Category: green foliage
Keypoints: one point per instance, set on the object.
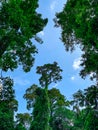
(83, 14)
(86, 120)
(62, 119)
(49, 73)
(79, 119)
(41, 111)
(30, 96)
(91, 96)
(7, 92)
(8, 104)
(78, 21)
(20, 127)
(24, 119)
(6, 116)
(19, 22)
(91, 121)
(38, 98)
(56, 100)
(87, 100)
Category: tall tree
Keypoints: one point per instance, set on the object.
(19, 23)
(38, 97)
(56, 100)
(41, 111)
(8, 104)
(49, 73)
(78, 21)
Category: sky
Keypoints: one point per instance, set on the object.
(51, 50)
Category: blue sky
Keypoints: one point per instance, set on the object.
(51, 50)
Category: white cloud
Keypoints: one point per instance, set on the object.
(73, 78)
(76, 63)
(53, 5)
(21, 81)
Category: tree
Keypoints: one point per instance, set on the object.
(49, 73)
(38, 97)
(78, 121)
(91, 121)
(23, 119)
(91, 96)
(78, 22)
(78, 100)
(8, 104)
(19, 23)
(56, 100)
(31, 96)
(86, 100)
(7, 92)
(35, 97)
(40, 111)
(59, 114)
(63, 118)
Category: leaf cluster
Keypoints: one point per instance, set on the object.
(78, 22)
(49, 73)
(19, 22)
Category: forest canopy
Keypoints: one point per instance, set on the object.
(19, 23)
(50, 110)
(78, 22)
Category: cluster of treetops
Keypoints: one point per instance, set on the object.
(19, 23)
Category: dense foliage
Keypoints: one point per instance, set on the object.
(57, 100)
(41, 111)
(23, 120)
(8, 104)
(19, 23)
(38, 97)
(86, 100)
(49, 73)
(78, 21)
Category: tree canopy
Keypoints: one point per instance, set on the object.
(85, 104)
(49, 73)
(19, 23)
(8, 104)
(23, 119)
(78, 22)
